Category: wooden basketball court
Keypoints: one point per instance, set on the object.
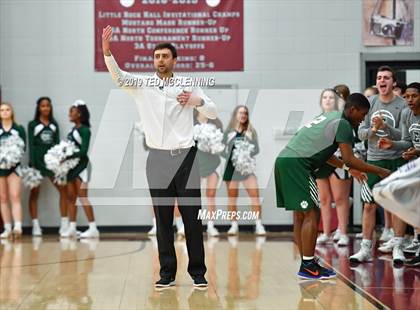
(245, 272)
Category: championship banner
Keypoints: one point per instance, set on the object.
(208, 34)
(400, 193)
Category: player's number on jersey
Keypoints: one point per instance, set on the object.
(316, 121)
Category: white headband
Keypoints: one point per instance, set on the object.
(78, 102)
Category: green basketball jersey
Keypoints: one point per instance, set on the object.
(318, 140)
(41, 139)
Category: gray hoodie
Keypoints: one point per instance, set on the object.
(391, 113)
(410, 131)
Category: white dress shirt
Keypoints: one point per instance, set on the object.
(167, 124)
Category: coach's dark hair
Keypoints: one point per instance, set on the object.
(415, 85)
(169, 46)
(84, 114)
(357, 100)
(389, 69)
(38, 113)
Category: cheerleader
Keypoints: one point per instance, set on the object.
(208, 164)
(240, 128)
(10, 183)
(78, 177)
(334, 184)
(43, 133)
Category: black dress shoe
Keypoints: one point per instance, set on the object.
(200, 281)
(162, 283)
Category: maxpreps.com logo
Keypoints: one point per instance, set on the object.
(414, 131)
(387, 117)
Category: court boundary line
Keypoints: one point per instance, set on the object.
(366, 295)
(142, 247)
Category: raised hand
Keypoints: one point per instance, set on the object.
(187, 98)
(106, 39)
(385, 143)
(377, 122)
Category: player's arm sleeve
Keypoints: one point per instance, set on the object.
(84, 147)
(208, 108)
(123, 79)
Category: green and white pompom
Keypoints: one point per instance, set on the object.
(242, 160)
(56, 160)
(12, 149)
(209, 138)
(31, 177)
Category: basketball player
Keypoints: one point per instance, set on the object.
(309, 150)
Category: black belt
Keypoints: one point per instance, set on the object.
(173, 152)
